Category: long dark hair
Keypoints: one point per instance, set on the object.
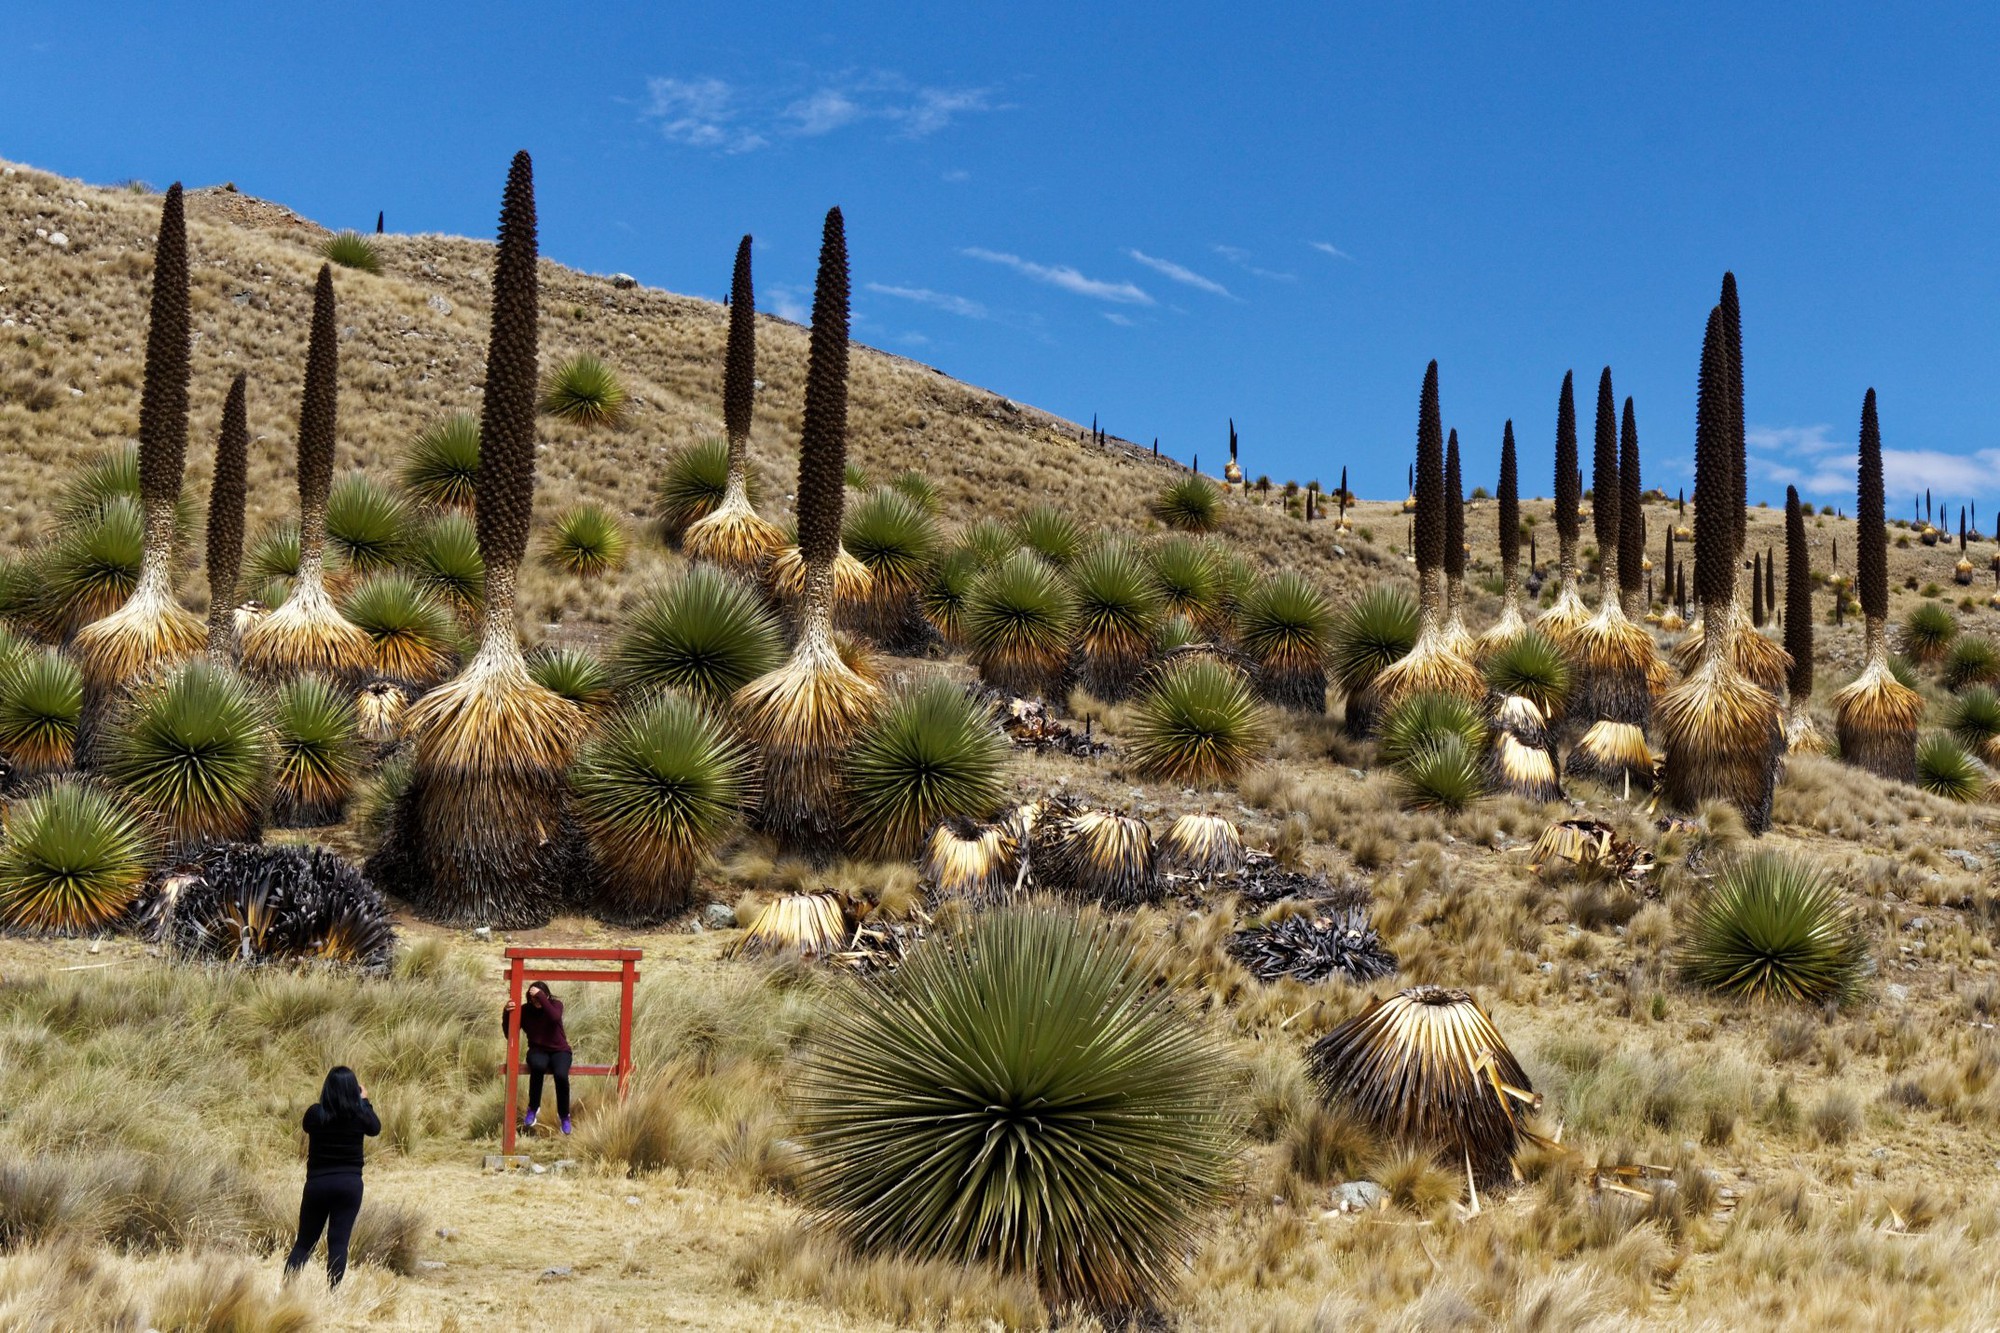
(340, 1095)
(543, 987)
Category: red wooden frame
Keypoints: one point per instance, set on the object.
(520, 973)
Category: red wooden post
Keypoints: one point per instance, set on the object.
(625, 1028)
(516, 966)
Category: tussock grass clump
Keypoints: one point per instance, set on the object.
(586, 541)
(73, 860)
(444, 557)
(989, 541)
(1189, 578)
(946, 592)
(929, 756)
(656, 792)
(90, 570)
(195, 753)
(896, 539)
(350, 249)
(1197, 724)
(1775, 928)
(1286, 626)
(583, 389)
(1973, 720)
(919, 488)
(1972, 659)
(800, 1264)
(1190, 504)
(367, 523)
(274, 553)
(694, 485)
(1018, 624)
(1442, 774)
(441, 465)
(1117, 612)
(1066, 1125)
(318, 752)
(1531, 666)
(574, 674)
(41, 702)
(1420, 721)
(706, 633)
(1929, 630)
(1378, 629)
(1426, 1068)
(415, 636)
(1053, 534)
(1947, 769)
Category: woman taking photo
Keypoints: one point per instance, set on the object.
(335, 1127)
(548, 1049)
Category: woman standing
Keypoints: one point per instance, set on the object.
(548, 1049)
(335, 1127)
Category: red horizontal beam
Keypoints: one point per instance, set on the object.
(556, 974)
(575, 1069)
(596, 955)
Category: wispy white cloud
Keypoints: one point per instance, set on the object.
(786, 302)
(714, 114)
(701, 113)
(1065, 277)
(957, 176)
(1179, 273)
(946, 301)
(1240, 257)
(823, 112)
(1813, 459)
(1122, 321)
(1329, 248)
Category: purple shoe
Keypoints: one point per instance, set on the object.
(529, 1123)
(565, 1124)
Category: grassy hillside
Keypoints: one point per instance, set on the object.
(1823, 1167)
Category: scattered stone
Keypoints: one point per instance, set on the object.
(1358, 1196)
(438, 303)
(430, 1265)
(1897, 994)
(624, 281)
(447, 1233)
(631, 1201)
(538, 1169)
(562, 1166)
(58, 240)
(482, 932)
(1918, 924)
(1965, 859)
(556, 1274)
(718, 916)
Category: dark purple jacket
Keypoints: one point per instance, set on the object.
(543, 1027)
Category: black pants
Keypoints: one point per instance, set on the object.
(330, 1202)
(548, 1062)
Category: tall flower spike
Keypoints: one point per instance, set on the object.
(732, 535)
(1631, 522)
(151, 628)
(225, 518)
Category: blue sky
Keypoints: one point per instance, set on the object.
(1171, 214)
